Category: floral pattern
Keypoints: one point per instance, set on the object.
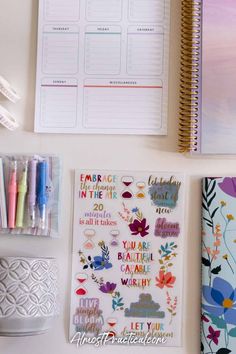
(98, 262)
(213, 335)
(228, 186)
(109, 288)
(165, 280)
(171, 305)
(139, 227)
(221, 300)
(167, 253)
(136, 222)
(218, 266)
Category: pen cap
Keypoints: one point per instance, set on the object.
(32, 181)
(22, 186)
(12, 185)
(42, 181)
(12, 192)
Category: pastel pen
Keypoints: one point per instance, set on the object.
(22, 190)
(3, 207)
(12, 193)
(41, 193)
(32, 192)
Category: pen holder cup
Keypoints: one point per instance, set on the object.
(28, 295)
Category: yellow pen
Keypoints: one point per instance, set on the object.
(22, 190)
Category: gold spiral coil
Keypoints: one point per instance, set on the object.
(190, 75)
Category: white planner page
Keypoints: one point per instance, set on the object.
(102, 66)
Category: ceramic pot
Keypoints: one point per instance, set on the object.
(28, 295)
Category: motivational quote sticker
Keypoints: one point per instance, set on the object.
(127, 274)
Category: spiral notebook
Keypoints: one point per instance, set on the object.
(208, 76)
(218, 318)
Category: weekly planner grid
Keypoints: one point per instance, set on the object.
(102, 66)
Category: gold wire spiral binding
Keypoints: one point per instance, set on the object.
(190, 75)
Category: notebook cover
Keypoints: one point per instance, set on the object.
(208, 73)
(218, 318)
(218, 123)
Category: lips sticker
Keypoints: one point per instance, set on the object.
(81, 291)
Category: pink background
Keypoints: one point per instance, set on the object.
(219, 76)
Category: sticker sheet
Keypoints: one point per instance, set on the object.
(127, 274)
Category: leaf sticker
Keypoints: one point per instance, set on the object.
(223, 351)
(113, 306)
(206, 262)
(216, 270)
(232, 332)
(218, 322)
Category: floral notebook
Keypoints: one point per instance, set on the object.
(218, 330)
(127, 276)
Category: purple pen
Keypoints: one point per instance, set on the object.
(32, 191)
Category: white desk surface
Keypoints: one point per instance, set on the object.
(18, 30)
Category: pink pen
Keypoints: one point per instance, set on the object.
(12, 193)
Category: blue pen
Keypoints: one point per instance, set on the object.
(42, 198)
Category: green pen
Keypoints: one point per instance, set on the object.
(22, 190)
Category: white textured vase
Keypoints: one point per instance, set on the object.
(28, 295)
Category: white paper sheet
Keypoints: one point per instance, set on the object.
(102, 66)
